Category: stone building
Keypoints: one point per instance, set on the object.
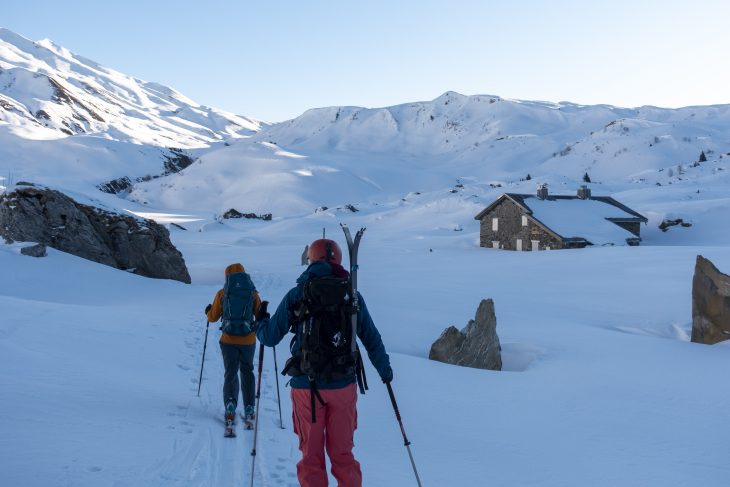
(543, 221)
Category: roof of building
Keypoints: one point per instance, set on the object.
(573, 218)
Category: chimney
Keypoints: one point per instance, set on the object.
(542, 191)
(584, 192)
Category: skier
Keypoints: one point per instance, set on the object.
(324, 407)
(238, 341)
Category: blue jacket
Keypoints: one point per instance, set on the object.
(270, 331)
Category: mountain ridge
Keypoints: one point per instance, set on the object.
(125, 131)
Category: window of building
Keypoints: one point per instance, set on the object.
(495, 224)
(519, 244)
(535, 245)
(524, 220)
(495, 244)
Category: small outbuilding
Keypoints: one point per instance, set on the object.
(543, 221)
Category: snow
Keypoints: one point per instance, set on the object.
(600, 386)
(581, 218)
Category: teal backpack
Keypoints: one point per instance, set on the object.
(238, 299)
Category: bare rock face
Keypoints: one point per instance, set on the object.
(710, 303)
(36, 214)
(477, 345)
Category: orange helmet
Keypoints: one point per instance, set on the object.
(325, 249)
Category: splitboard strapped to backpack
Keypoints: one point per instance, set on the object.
(238, 300)
(328, 315)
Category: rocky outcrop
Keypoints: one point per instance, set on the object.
(477, 345)
(116, 186)
(36, 214)
(710, 303)
(234, 213)
(37, 250)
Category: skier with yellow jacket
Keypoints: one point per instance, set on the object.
(236, 305)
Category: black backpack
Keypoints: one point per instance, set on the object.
(238, 299)
(325, 312)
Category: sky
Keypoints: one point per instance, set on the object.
(274, 60)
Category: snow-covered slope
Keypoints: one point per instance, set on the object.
(424, 153)
(43, 84)
(67, 121)
(101, 366)
(665, 163)
(600, 384)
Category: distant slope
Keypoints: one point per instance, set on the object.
(67, 122)
(338, 155)
(43, 84)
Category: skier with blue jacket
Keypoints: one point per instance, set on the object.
(324, 402)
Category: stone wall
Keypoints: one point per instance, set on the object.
(510, 228)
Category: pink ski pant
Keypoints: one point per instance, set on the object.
(333, 431)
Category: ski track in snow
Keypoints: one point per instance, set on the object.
(201, 456)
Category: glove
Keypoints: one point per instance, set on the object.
(388, 376)
(207, 308)
(263, 312)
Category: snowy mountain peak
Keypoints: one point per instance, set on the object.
(44, 85)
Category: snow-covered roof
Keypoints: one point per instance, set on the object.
(571, 217)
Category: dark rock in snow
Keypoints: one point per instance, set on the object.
(665, 224)
(477, 345)
(233, 213)
(35, 214)
(37, 250)
(350, 207)
(710, 303)
(176, 161)
(116, 186)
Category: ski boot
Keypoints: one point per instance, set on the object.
(230, 418)
(248, 417)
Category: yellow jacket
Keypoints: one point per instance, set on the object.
(216, 311)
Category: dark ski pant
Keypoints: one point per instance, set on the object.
(238, 358)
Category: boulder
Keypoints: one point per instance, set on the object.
(710, 303)
(477, 345)
(49, 217)
(37, 250)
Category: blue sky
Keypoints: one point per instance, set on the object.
(274, 60)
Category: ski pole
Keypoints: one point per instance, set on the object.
(403, 431)
(278, 395)
(205, 345)
(258, 403)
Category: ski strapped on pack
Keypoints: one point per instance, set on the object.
(352, 247)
